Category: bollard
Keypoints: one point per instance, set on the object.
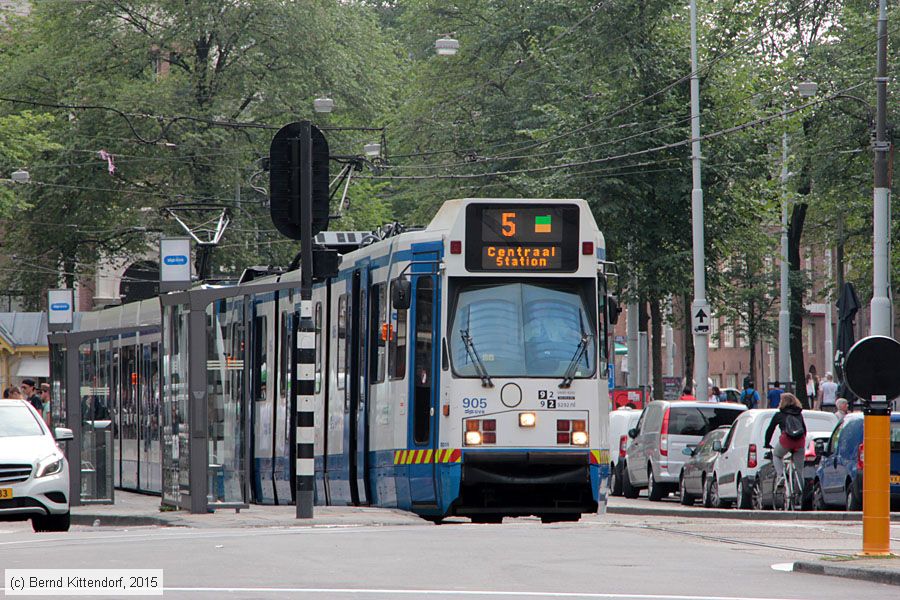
(876, 482)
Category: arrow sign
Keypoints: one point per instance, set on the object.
(700, 320)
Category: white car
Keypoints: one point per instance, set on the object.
(742, 454)
(620, 421)
(34, 473)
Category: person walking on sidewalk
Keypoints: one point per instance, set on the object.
(28, 390)
(827, 394)
(749, 397)
(774, 395)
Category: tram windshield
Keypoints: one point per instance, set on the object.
(508, 329)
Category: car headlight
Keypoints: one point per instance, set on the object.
(51, 465)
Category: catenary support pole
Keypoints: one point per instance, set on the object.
(881, 307)
(306, 334)
(784, 315)
(700, 306)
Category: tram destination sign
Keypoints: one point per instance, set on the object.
(526, 238)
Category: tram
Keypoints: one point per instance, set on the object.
(461, 369)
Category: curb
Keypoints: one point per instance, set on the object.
(750, 515)
(875, 575)
(119, 520)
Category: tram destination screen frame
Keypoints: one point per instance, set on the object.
(524, 238)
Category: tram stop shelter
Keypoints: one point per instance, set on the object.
(156, 396)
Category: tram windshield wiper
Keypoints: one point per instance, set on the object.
(480, 369)
(569, 375)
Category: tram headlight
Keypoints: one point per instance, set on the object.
(579, 438)
(527, 419)
(473, 438)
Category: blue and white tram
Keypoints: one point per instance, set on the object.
(461, 369)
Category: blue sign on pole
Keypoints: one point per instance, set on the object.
(611, 379)
(175, 259)
(60, 306)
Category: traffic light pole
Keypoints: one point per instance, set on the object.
(301, 180)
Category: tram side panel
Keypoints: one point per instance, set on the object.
(281, 468)
(337, 460)
(262, 395)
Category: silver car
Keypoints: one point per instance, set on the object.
(654, 458)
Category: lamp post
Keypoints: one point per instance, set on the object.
(881, 308)
(323, 104)
(784, 314)
(700, 313)
(446, 45)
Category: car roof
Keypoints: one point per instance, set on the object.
(700, 404)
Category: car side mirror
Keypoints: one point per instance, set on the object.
(632, 433)
(401, 294)
(687, 451)
(717, 446)
(820, 447)
(63, 434)
(767, 455)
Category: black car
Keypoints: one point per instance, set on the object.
(692, 483)
(764, 498)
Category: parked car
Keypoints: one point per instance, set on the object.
(742, 450)
(654, 459)
(763, 495)
(698, 467)
(732, 394)
(34, 473)
(620, 421)
(839, 478)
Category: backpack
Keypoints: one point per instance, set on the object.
(793, 426)
(747, 398)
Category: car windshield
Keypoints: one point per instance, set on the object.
(697, 420)
(522, 330)
(18, 421)
(818, 422)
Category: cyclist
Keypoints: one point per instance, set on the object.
(793, 436)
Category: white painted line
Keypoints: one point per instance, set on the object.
(785, 567)
(510, 593)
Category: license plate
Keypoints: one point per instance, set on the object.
(894, 479)
(6, 493)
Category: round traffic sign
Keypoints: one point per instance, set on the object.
(872, 368)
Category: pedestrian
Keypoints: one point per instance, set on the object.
(45, 398)
(843, 407)
(30, 394)
(774, 395)
(827, 394)
(716, 394)
(749, 397)
(811, 385)
(793, 435)
(687, 394)
(12, 393)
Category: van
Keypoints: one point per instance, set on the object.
(742, 453)
(620, 421)
(654, 458)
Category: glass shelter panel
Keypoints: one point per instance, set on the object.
(175, 409)
(97, 432)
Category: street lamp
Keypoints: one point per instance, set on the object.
(323, 104)
(372, 150)
(20, 176)
(446, 46)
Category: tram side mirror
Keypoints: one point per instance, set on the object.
(401, 294)
(612, 305)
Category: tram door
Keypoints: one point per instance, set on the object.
(424, 384)
(357, 387)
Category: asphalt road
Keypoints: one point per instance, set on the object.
(600, 557)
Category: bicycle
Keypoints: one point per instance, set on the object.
(789, 487)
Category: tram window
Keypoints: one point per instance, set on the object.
(397, 346)
(424, 345)
(602, 317)
(318, 324)
(286, 346)
(260, 358)
(342, 340)
(377, 334)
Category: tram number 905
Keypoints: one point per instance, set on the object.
(474, 403)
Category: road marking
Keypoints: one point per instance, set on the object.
(785, 567)
(513, 594)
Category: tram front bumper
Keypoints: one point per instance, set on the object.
(525, 468)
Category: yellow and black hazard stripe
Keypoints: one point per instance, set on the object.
(599, 457)
(419, 457)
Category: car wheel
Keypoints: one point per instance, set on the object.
(756, 497)
(627, 489)
(854, 502)
(654, 490)
(704, 492)
(818, 497)
(615, 480)
(683, 495)
(54, 523)
(743, 501)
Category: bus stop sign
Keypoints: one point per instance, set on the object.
(872, 368)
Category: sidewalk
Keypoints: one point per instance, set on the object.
(876, 570)
(136, 510)
(671, 508)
